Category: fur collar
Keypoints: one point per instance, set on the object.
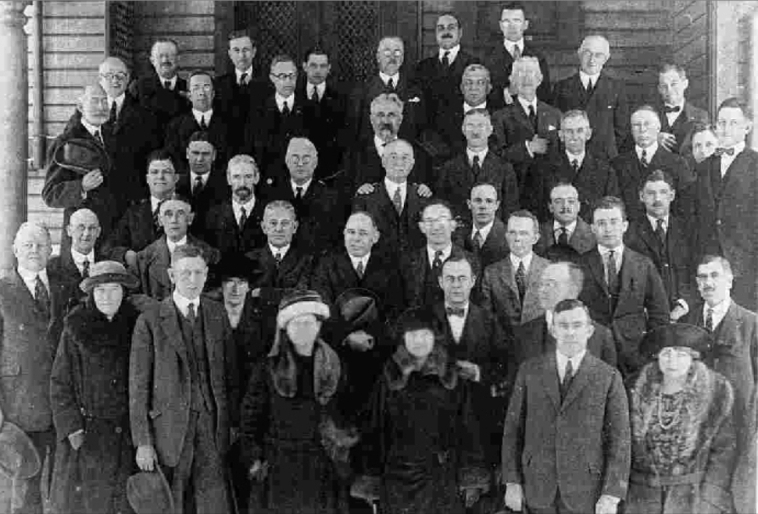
(91, 327)
(399, 368)
(283, 369)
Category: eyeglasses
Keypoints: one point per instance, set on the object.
(433, 221)
(284, 76)
(117, 75)
(273, 224)
(297, 159)
(390, 53)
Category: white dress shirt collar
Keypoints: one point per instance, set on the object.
(570, 228)
(171, 82)
(467, 107)
(453, 53)
(385, 78)
(92, 129)
(391, 186)
(183, 303)
(239, 73)
(30, 278)
(203, 178)
(727, 160)
(363, 260)
(654, 222)
(649, 151)
(509, 45)
(280, 101)
(172, 246)
(155, 202)
(79, 258)
(283, 250)
(563, 360)
(672, 116)
(515, 261)
(304, 186)
(321, 88)
(719, 310)
(526, 103)
(481, 153)
(380, 144)
(484, 231)
(617, 255)
(199, 115)
(586, 78)
(579, 158)
(445, 254)
(119, 102)
(237, 207)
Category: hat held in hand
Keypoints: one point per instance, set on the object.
(148, 492)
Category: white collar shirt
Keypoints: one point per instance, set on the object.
(380, 145)
(430, 252)
(200, 116)
(515, 261)
(719, 311)
(281, 251)
(119, 102)
(385, 78)
(563, 361)
(183, 303)
(451, 53)
(237, 208)
(304, 187)
(526, 103)
(92, 129)
(320, 89)
(579, 158)
(467, 107)
(672, 116)
(79, 259)
(30, 279)
(570, 228)
(727, 160)
(483, 231)
(280, 101)
(360, 260)
(649, 151)
(481, 153)
(457, 323)
(618, 256)
(203, 178)
(172, 245)
(391, 187)
(248, 77)
(654, 222)
(585, 78)
(511, 45)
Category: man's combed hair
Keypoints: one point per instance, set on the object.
(609, 202)
(188, 251)
(569, 305)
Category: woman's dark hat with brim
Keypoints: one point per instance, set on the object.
(148, 492)
(675, 334)
(414, 319)
(81, 156)
(105, 272)
(238, 266)
(358, 308)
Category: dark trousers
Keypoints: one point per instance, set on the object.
(199, 478)
(558, 507)
(44, 442)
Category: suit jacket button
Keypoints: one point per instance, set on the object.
(119, 430)
(718, 222)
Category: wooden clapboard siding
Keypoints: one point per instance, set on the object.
(690, 43)
(733, 49)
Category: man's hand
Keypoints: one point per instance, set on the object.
(468, 370)
(76, 439)
(677, 313)
(667, 140)
(514, 497)
(538, 145)
(606, 505)
(146, 457)
(130, 258)
(360, 341)
(424, 191)
(92, 180)
(507, 97)
(365, 189)
(258, 471)
(471, 497)
(256, 293)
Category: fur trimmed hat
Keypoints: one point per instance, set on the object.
(675, 334)
(298, 303)
(104, 272)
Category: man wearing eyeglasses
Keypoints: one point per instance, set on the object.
(565, 236)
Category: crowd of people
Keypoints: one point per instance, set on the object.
(450, 288)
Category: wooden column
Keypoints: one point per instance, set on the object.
(14, 129)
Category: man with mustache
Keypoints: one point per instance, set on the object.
(566, 235)
(164, 93)
(665, 239)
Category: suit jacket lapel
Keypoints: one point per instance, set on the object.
(580, 381)
(597, 269)
(209, 330)
(170, 326)
(729, 326)
(508, 276)
(522, 117)
(627, 275)
(347, 270)
(549, 378)
(648, 236)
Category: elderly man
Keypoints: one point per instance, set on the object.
(566, 235)
(603, 98)
(201, 117)
(164, 93)
(679, 116)
(185, 345)
(319, 213)
(579, 165)
(234, 225)
(559, 281)
(31, 311)
(633, 167)
(476, 163)
(139, 225)
(513, 24)
(509, 286)
(395, 203)
(725, 201)
(65, 185)
(527, 129)
(566, 443)
(154, 261)
(485, 238)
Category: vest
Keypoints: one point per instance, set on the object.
(202, 398)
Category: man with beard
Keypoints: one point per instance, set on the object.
(203, 118)
(234, 225)
(566, 235)
(165, 92)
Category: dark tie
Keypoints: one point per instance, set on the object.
(243, 217)
(476, 166)
(660, 232)
(243, 79)
(446, 59)
(455, 311)
(99, 138)
(359, 269)
(85, 268)
(516, 52)
(709, 320)
(197, 188)
(563, 237)
(612, 272)
(41, 296)
(521, 281)
(668, 109)
(156, 215)
(191, 314)
(391, 85)
(167, 84)
(203, 125)
(114, 113)
(575, 166)
(397, 200)
(314, 94)
(590, 87)
(643, 159)
(721, 151)
(437, 262)
(285, 109)
(478, 241)
(278, 258)
(533, 118)
(568, 376)
(298, 193)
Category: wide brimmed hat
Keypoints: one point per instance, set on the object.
(18, 455)
(358, 308)
(105, 272)
(675, 334)
(148, 492)
(414, 319)
(81, 156)
(238, 266)
(298, 303)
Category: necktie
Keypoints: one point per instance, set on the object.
(476, 166)
(590, 87)
(41, 297)
(298, 193)
(243, 217)
(668, 108)
(660, 232)
(191, 314)
(397, 200)
(563, 237)
(612, 272)
(314, 94)
(197, 188)
(359, 269)
(156, 215)
(575, 166)
(167, 84)
(521, 281)
(533, 118)
(478, 241)
(243, 79)
(285, 109)
(568, 376)
(278, 258)
(114, 113)
(203, 125)
(709, 320)
(437, 262)
(446, 59)
(516, 52)
(85, 268)
(391, 84)
(643, 159)
(721, 151)
(99, 138)
(455, 311)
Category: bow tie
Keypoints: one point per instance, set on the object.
(455, 311)
(668, 109)
(721, 151)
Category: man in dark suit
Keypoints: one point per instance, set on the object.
(165, 92)
(234, 225)
(32, 300)
(527, 130)
(319, 213)
(622, 288)
(665, 240)
(725, 201)
(154, 260)
(395, 204)
(513, 24)
(566, 443)
(559, 281)
(201, 118)
(185, 345)
(679, 116)
(704, 144)
(509, 286)
(130, 134)
(205, 185)
(592, 175)
(476, 163)
(632, 167)
(139, 225)
(602, 97)
(566, 236)
(485, 238)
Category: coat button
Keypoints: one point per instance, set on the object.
(718, 222)
(119, 430)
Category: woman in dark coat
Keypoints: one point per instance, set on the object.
(683, 436)
(89, 396)
(421, 451)
(290, 417)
